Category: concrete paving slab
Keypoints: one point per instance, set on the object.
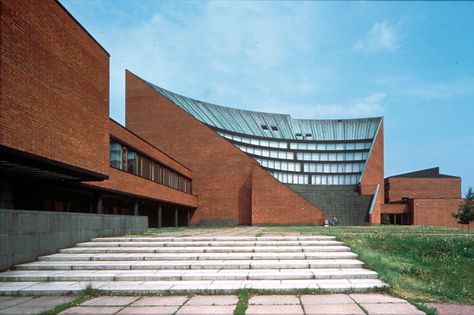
(90, 310)
(452, 309)
(333, 309)
(207, 310)
(161, 301)
(274, 300)
(274, 310)
(213, 300)
(155, 310)
(110, 301)
(373, 298)
(391, 309)
(8, 301)
(326, 299)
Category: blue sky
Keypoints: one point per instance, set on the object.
(410, 62)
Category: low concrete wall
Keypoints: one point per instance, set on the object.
(25, 235)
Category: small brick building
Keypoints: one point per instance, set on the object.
(424, 197)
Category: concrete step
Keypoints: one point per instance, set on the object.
(186, 275)
(206, 249)
(198, 256)
(180, 265)
(182, 287)
(212, 239)
(208, 243)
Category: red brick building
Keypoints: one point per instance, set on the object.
(424, 197)
(179, 161)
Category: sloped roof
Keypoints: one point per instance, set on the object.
(426, 173)
(251, 122)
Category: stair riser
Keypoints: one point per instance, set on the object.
(206, 244)
(217, 239)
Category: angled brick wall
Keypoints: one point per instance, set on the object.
(374, 174)
(54, 81)
(274, 203)
(222, 174)
(435, 212)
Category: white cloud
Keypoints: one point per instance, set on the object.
(382, 36)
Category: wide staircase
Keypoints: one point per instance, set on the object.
(138, 264)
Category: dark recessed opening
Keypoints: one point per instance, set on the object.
(308, 135)
(298, 134)
(264, 127)
(274, 128)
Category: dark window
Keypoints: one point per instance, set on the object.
(274, 128)
(135, 163)
(308, 135)
(299, 134)
(264, 127)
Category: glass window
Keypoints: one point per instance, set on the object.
(326, 168)
(283, 145)
(365, 155)
(340, 157)
(264, 143)
(355, 167)
(349, 156)
(290, 156)
(273, 154)
(257, 151)
(324, 180)
(254, 141)
(357, 156)
(350, 146)
(291, 166)
(359, 146)
(368, 145)
(333, 168)
(132, 162)
(271, 164)
(146, 168)
(245, 140)
(307, 156)
(331, 146)
(284, 166)
(282, 155)
(278, 165)
(319, 168)
(348, 168)
(302, 146)
(116, 155)
(340, 146)
(237, 138)
(266, 153)
(321, 146)
(250, 150)
(285, 177)
(293, 145)
(324, 156)
(340, 168)
(273, 144)
(315, 156)
(332, 156)
(157, 173)
(311, 146)
(318, 180)
(300, 156)
(297, 167)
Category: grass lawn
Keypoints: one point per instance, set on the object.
(420, 263)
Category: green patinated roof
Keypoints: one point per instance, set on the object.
(250, 122)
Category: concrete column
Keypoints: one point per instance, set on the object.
(135, 207)
(159, 216)
(100, 209)
(176, 217)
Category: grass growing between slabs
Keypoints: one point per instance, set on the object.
(419, 263)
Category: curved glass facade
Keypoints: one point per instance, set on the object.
(306, 162)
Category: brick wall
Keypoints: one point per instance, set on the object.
(435, 212)
(374, 174)
(54, 82)
(273, 203)
(222, 174)
(394, 208)
(123, 182)
(422, 188)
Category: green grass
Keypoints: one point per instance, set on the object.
(88, 293)
(420, 263)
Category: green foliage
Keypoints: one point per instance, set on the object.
(465, 214)
(87, 293)
(422, 263)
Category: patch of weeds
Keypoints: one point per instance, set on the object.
(243, 303)
(422, 307)
(259, 234)
(87, 293)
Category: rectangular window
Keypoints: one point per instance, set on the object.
(358, 156)
(315, 156)
(284, 166)
(254, 141)
(266, 153)
(321, 146)
(271, 164)
(307, 156)
(116, 155)
(359, 146)
(332, 156)
(146, 168)
(350, 146)
(331, 146)
(264, 143)
(132, 162)
(333, 168)
(283, 145)
(273, 144)
(326, 168)
(340, 146)
(293, 146)
(281, 154)
(311, 146)
(324, 156)
(319, 168)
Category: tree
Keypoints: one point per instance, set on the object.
(465, 213)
